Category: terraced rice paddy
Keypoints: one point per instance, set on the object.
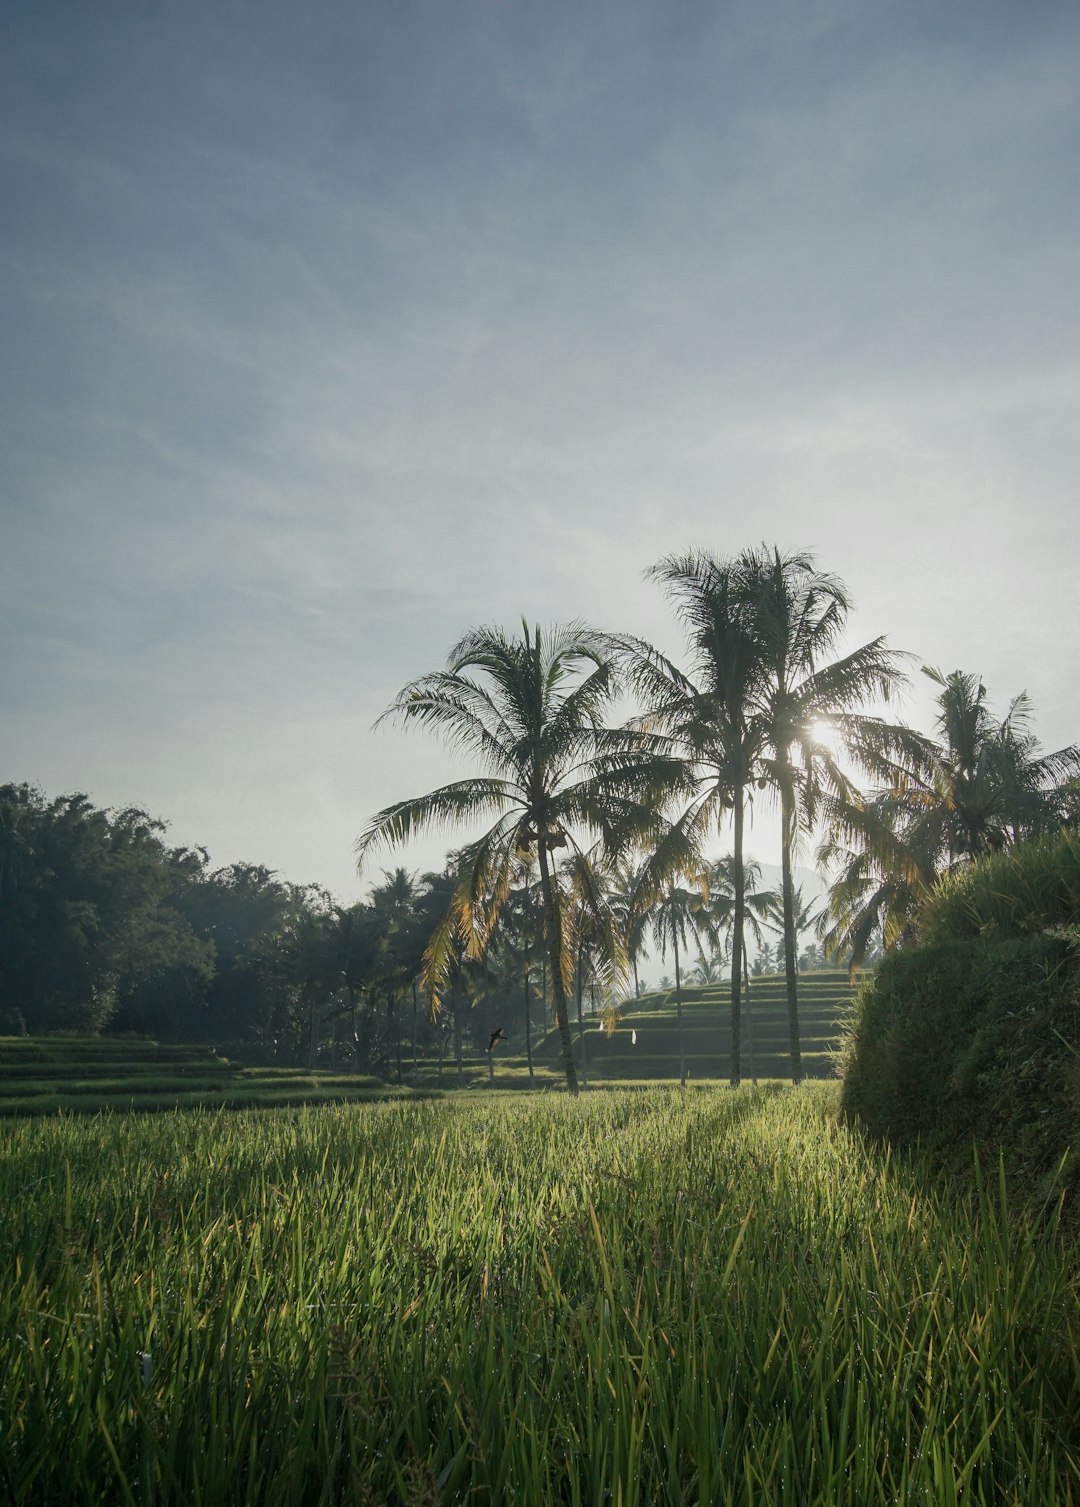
(636, 1297)
(83, 1075)
(616, 1056)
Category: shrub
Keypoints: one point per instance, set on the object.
(968, 1039)
(1032, 888)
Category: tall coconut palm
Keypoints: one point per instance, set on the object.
(799, 617)
(704, 716)
(989, 785)
(531, 709)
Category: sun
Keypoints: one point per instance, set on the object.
(825, 735)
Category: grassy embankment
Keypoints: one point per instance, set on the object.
(631, 1298)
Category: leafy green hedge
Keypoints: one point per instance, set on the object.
(973, 1039)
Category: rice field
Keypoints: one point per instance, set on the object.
(632, 1298)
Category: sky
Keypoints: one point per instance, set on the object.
(330, 331)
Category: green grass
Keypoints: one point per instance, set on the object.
(631, 1298)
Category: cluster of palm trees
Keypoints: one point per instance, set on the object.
(981, 786)
(762, 709)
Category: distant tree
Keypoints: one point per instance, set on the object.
(88, 911)
(704, 718)
(707, 970)
(632, 921)
(679, 918)
(394, 904)
(243, 909)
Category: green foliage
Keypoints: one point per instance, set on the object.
(1034, 887)
(531, 711)
(982, 787)
(967, 1039)
(88, 912)
(645, 1298)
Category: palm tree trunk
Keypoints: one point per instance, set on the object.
(737, 941)
(528, 1027)
(581, 1019)
(457, 1039)
(749, 1023)
(678, 1011)
(637, 982)
(553, 929)
(415, 1023)
(787, 814)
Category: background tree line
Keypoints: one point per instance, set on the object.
(104, 926)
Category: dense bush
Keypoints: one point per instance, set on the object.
(1032, 888)
(973, 1040)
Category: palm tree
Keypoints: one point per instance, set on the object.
(394, 904)
(594, 932)
(989, 786)
(677, 917)
(633, 923)
(760, 908)
(805, 917)
(517, 942)
(886, 864)
(531, 709)
(704, 718)
(799, 616)
(979, 786)
(707, 970)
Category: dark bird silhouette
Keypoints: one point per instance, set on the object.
(496, 1037)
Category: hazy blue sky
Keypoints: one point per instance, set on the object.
(331, 330)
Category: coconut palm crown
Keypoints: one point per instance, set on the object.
(531, 710)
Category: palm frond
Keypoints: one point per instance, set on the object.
(464, 800)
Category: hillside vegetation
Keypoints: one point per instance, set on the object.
(975, 1034)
